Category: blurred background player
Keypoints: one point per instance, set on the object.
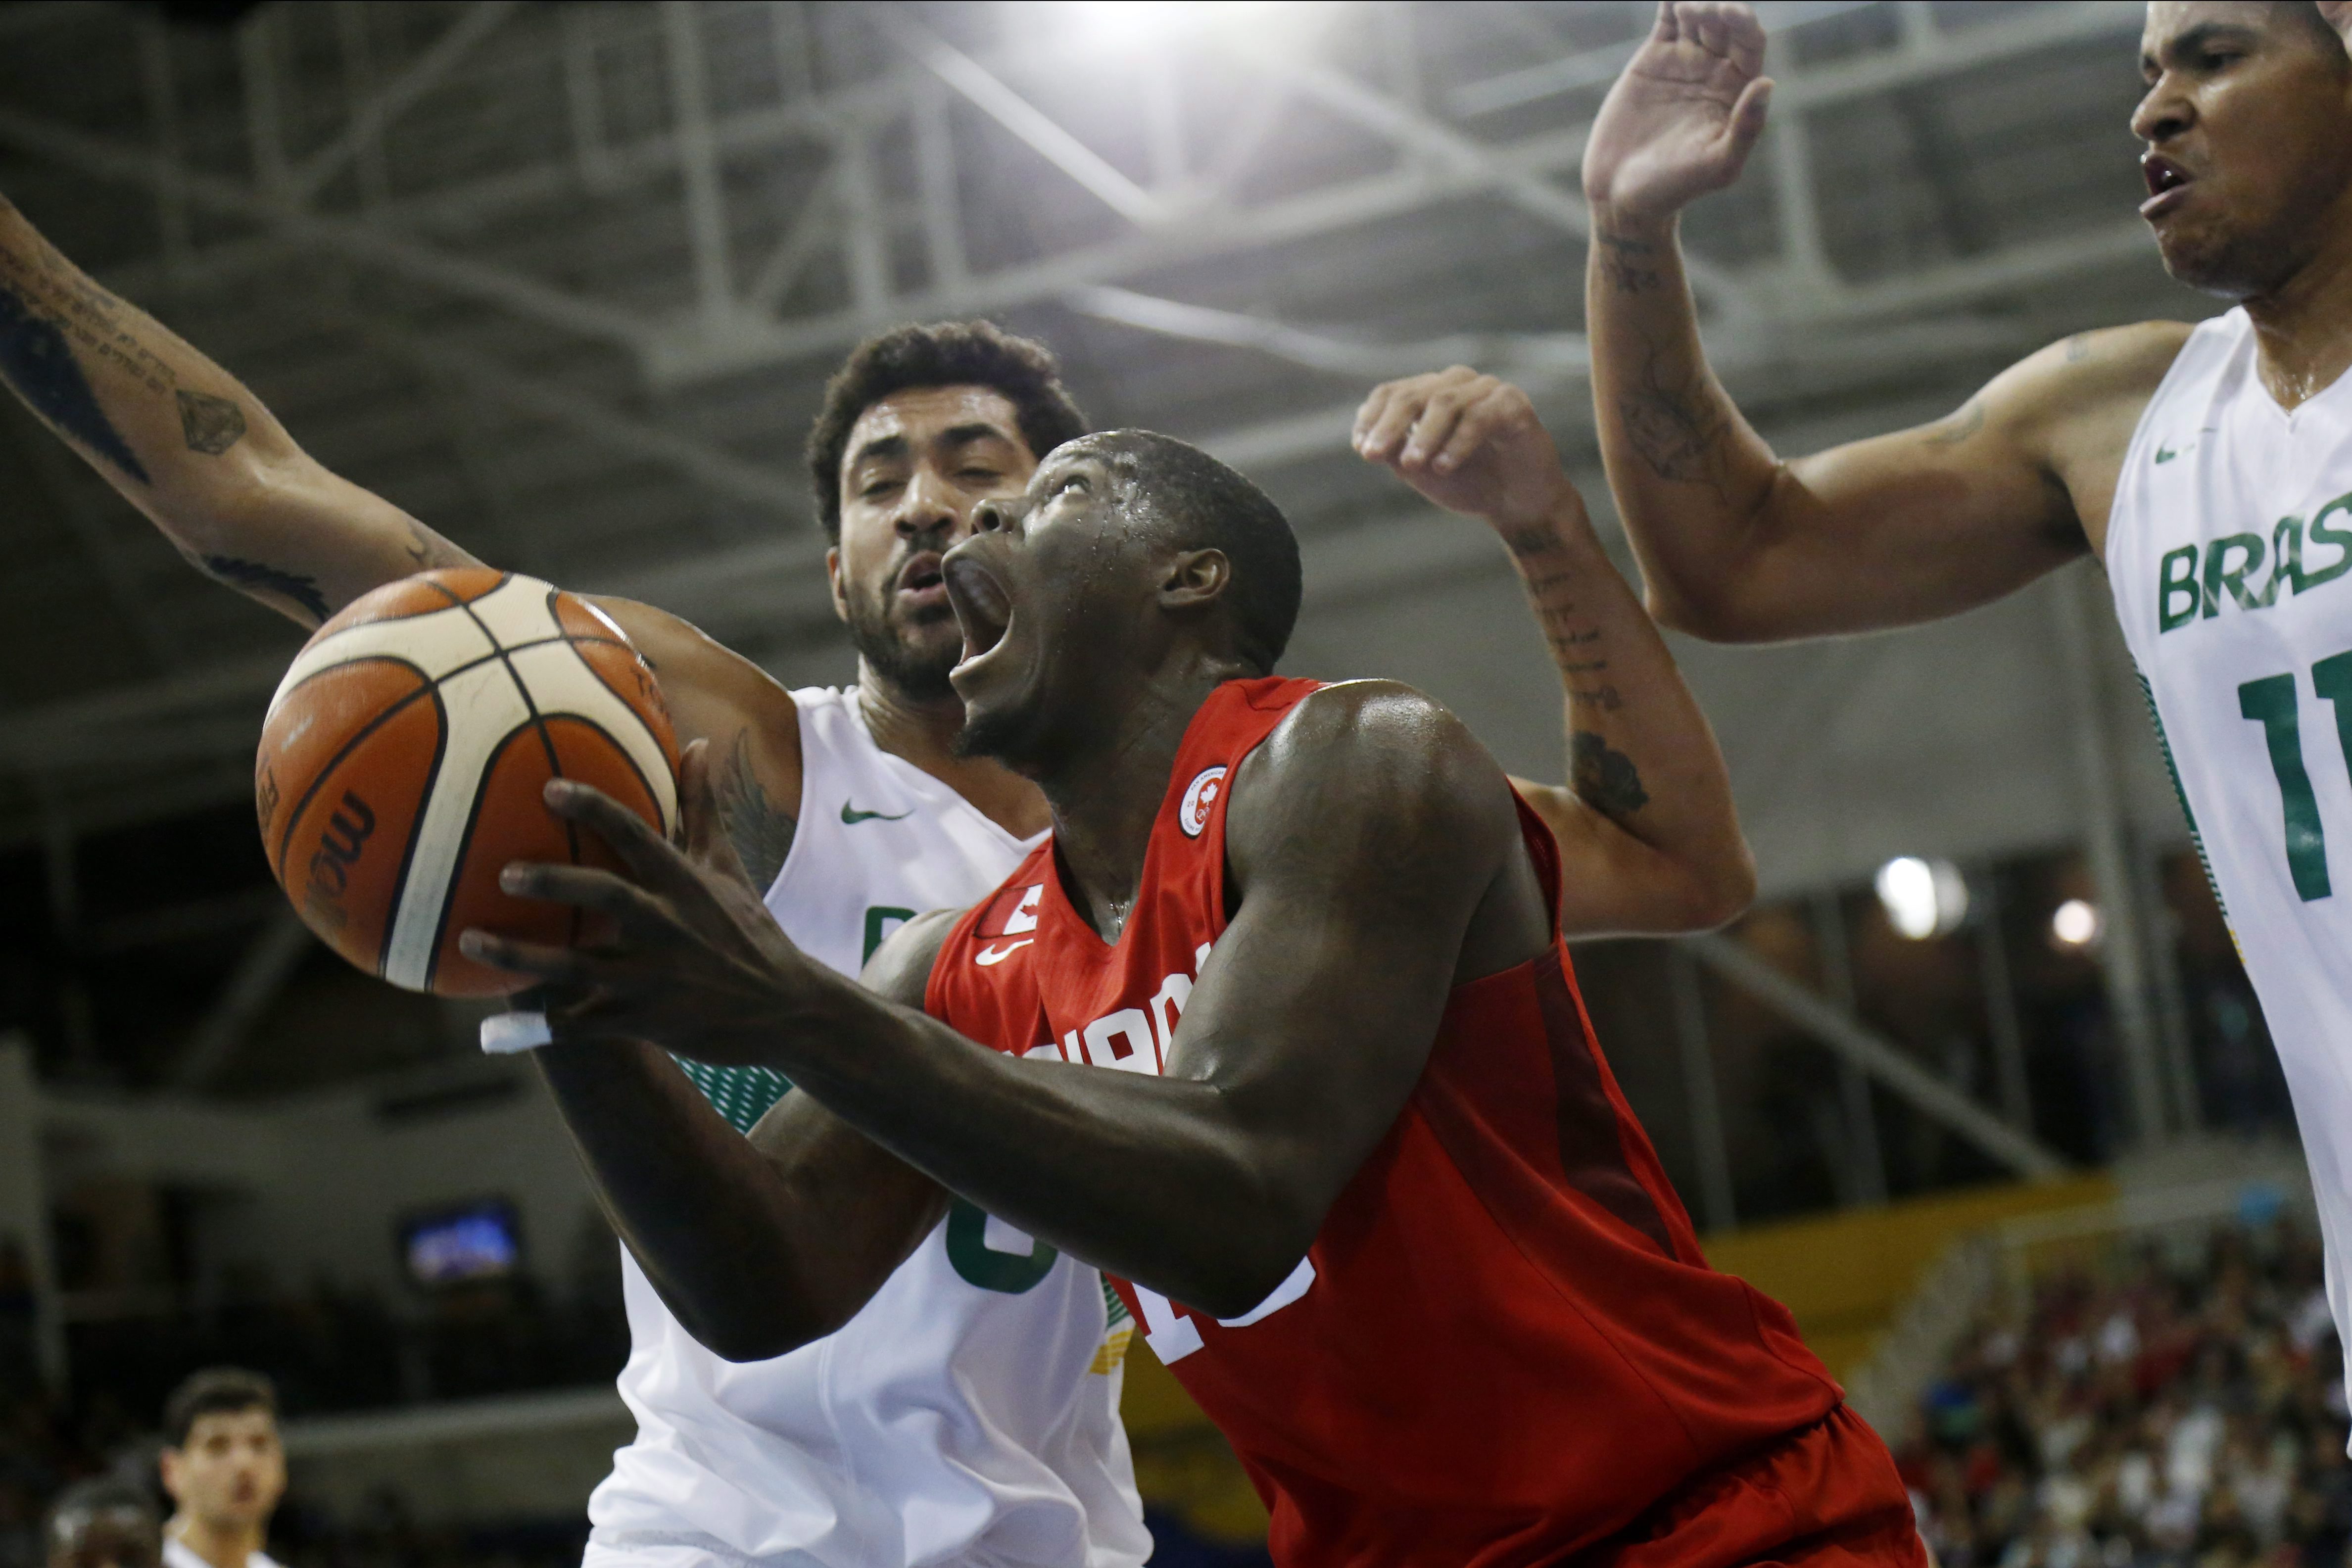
(102, 1523)
(224, 1469)
(853, 812)
(2210, 470)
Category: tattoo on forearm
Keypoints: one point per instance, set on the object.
(761, 835)
(2078, 348)
(1952, 432)
(253, 574)
(209, 424)
(1604, 779)
(1606, 698)
(1675, 429)
(38, 364)
(1630, 265)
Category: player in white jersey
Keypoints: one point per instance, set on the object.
(2211, 470)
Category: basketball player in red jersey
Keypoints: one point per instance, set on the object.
(1357, 1161)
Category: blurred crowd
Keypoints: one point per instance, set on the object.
(2180, 1406)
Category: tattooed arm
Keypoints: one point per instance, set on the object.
(1737, 545)
(189, 447)
(1648, 836)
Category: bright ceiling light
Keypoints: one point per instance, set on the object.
(1923, 898)
(2075, 924)
(1132, 25)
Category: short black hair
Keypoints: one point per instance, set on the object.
(942, 354)
(99, 1494)
(1211, 505)
(213, 1390)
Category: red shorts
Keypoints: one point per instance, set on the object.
(1826, 1497)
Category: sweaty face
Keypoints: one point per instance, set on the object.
(916, 464)
(1051, 595)
(231, 1471)
(2248, 123)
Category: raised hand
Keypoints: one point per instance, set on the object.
(694, 962)
(1685, 115)
(1468, 442)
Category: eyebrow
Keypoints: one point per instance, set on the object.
(2202, 35)
(886, 446)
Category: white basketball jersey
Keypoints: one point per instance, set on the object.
(2230, 550)
(970, 1413)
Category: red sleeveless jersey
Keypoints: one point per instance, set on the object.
(1503, 1343)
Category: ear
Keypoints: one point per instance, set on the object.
(833, 582)
(167, 1465)
(1195, 579)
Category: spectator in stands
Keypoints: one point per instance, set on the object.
(224, 1469)
(2176, 1416)
(103, 1523)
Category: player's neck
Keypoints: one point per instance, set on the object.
(219, 1542)
(924, 733)
(1107, 794)
(2304, 328)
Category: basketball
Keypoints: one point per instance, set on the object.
(404, 753)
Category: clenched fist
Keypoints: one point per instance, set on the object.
(1468, 442)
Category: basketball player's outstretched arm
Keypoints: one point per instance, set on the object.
(197, 452)
(192, 448)
(1380, 864)
(1649, 838)
(1738, 545)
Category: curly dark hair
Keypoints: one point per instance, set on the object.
(942, 354)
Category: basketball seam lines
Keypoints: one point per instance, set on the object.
(594, 674)
(554, 765)
(317, 782)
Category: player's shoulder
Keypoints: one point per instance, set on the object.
(1373, 749)
(2076, 374)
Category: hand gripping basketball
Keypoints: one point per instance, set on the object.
(690, 960)
(401, 762)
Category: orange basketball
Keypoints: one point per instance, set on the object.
(405, 754)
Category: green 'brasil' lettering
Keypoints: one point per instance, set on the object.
(2320, 534)
(2220, 575)
(1007, 1273)
(2181, 598)
(877, 919)
(2270, 703)
(2182, 582)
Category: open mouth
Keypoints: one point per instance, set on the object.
(922, 580)
(2166, 179)
(982, 610)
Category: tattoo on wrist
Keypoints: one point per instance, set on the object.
(209, 424)
(1630, 265)
(761, 835)
(1952, 432)
(1534, 539)
(1604, 779)
(253, 574)
(38, 364)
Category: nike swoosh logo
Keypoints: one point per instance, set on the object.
(988, 956)
(2165, 455)
(853, 816)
